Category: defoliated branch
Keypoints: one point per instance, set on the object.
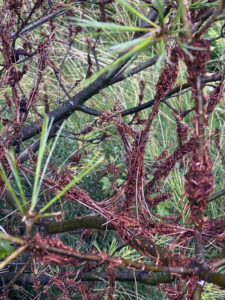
(38, 23)
(140, 276)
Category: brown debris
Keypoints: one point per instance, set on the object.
(158, 199)
(218, 145)
(214, 98)
(199, 184)
(200, 53)
(182, 130)
(168, 76)
(38, 249)
(173, 293)
(169, 163)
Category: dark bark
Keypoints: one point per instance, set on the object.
(141, 276)
(212, 277)
(87, 222)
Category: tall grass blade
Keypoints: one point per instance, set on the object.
(137, 13)
(160, 8)
(12, 162)
(136, 49)
(109, 26)
(10, 188)
(44, 136)
(49, 156)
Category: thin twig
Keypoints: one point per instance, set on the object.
(40, 22)
(23, 269)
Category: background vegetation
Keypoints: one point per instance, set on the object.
(111, 149)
